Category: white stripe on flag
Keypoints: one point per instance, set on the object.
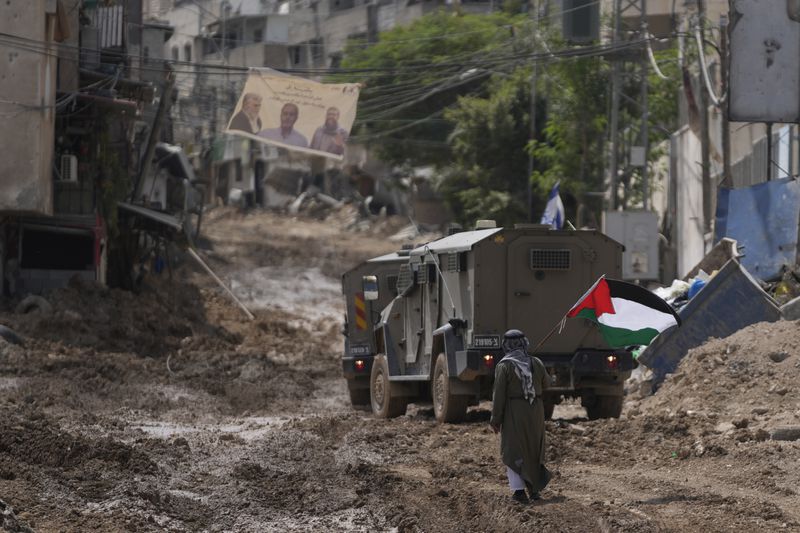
(635, 316)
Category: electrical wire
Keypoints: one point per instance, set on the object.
(653, 59)
(716, 101)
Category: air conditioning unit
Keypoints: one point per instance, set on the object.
(69, 168)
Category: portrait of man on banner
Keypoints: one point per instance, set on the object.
(295, 113)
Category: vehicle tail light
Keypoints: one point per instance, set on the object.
(488, 360)
(360, 365)
(612, 362)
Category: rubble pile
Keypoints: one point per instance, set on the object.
(88, 315)
(749, 379)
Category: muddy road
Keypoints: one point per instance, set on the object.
(170, 411)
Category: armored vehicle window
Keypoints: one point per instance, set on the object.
(454, 262)
(544, 259)
(422, 275)
(405, 280)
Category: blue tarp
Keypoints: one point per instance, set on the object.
(762, 218)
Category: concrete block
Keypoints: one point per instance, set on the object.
(791, 309)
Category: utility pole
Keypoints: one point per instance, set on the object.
(534, 76)
(614, 126)
(645, 113)
(164, 104)
(727, 179)
(704, 134)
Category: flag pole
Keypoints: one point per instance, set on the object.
(559, 324)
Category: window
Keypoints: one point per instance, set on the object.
(317, 51)
(175, 52)
(338, 5)
(187, 52)
(296, 55)
(258, 35)
(550, 259)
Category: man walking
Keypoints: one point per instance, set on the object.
(518, 415)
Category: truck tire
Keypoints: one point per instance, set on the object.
(359, 396)
(605, 407)
(446, 406)
(385, 401)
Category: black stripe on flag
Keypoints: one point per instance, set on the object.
(636, 293)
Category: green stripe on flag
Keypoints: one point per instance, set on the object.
(620, 337)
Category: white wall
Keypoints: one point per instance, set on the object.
(27, 105)
(688, 181)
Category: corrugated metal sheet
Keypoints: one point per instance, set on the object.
(459, 242)
(109, 22)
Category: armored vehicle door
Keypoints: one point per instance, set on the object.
(416, 314)
(546, 275)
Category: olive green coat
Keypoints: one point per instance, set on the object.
(522, 434)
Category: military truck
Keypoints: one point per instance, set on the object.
(439, 336)
(361, 315)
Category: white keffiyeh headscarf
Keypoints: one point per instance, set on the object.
(514, 346)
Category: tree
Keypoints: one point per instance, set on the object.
(414, 73)
(454, 92)
(487, 176)
(572, 147)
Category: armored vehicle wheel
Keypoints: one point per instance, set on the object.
(605, 407)
(359, 395)
(384, 400)
(447, 407)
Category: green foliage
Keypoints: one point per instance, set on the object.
(489, 166)
(444, 92)
(413, 73)
(572, 148)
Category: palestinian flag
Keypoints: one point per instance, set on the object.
(626, 313)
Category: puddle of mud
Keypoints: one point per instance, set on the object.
(304, 291)
(249, 429)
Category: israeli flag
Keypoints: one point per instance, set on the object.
(554, 210)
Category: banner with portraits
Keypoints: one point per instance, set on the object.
(295, 113)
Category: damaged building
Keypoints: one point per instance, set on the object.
(81, 83)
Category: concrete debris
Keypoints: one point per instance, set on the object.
(9, 520)
(777, 357)
(9, 335)
(34, 303)
(791, 309)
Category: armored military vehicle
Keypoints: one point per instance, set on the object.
(439, 335)
(380, 275)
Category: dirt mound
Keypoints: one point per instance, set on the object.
(28, 437)
(747, 379)
(87, 315)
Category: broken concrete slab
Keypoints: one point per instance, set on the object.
(791, 309)
(725, 250)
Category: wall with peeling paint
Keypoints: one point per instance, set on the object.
(27, 97)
